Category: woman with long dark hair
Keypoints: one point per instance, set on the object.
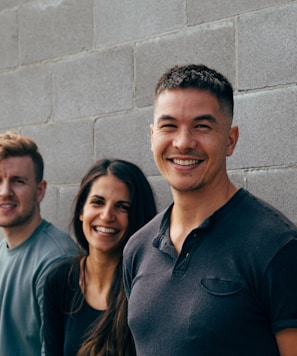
(85, 308)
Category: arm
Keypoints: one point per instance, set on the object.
(126, 274)
(281, 292)
(287, 342)
(53, 316)
(39, 295)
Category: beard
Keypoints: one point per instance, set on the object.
(18, 220)
(184, 187)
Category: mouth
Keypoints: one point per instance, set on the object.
(7, 205)
(186, 162)
(105, 230)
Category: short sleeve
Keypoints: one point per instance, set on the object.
(280, 288)
(126, 274)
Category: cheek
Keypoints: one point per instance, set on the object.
(29, 200)
(159, 146)
(85, 212)
(218, 146)
(85, 228)
(85, 217)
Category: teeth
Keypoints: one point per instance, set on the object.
(185, 162)
(103, 229)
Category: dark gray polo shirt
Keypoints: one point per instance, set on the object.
(231, 288)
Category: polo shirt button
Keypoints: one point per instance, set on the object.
(187, 254)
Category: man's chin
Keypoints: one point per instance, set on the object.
(187, 188)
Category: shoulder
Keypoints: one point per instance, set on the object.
(149, 230)
(48, 247)
(261, 214)
(61, 283)
(3, 251)
(254, 228)
(61, 270)
(144, 236)
(55, 240)
(2, 244)
(53, 232)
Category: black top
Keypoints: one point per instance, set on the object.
(65, 322)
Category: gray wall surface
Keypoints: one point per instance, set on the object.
(78, 76)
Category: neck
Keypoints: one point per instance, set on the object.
(16, 235)
(100, 269)
(190, 209)
(99, 274)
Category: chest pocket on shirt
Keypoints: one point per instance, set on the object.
(220, 287)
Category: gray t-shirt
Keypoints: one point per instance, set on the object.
(22, 274)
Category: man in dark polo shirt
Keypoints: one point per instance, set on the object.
(215, 273)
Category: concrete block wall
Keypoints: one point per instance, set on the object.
(78, 77)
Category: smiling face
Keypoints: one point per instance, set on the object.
(20, 194)
(105, 215)
(191, 137)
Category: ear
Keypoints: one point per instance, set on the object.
(152, 133)
(81, 216)
(41, 189)
(232, 140)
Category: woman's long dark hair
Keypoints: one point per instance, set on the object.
(110, 336)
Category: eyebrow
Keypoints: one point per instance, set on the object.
(206, 117)
(26, 179)
(101, 197)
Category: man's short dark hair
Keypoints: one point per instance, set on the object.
(201, 77)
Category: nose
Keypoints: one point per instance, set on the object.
(106, 213)
(5, 188)
(184, 140)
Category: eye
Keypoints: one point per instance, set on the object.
(123, 207)
(97, 202)
(167, 126)
(203, 127)
(19, 181)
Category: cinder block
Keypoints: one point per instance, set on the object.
(126, 136)
(267, 48)
(8, 4)
(238, 178)
(94, 84)
(162, 192)
(56, 206)
(201, 11)
(25, 97)
(49, 205)
(127, 20)
(49, 29)
(65, 213)
(67, 149)
(201, 45)
(278, 187)
(267, 129)
(9, 39)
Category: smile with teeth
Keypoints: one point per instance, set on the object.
(7, 205)
(105, 230)
(185, 162)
